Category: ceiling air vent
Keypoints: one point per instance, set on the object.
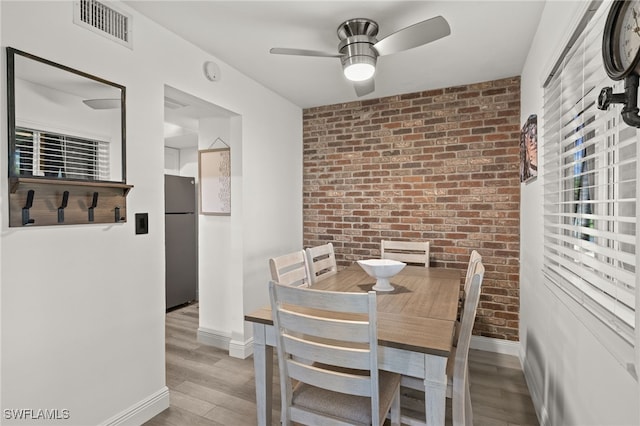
(103, 20)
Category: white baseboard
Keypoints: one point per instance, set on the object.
(144, 410)
(220, 340)
(243, 350)
(536, 391)
(214, 338)
(500, 346)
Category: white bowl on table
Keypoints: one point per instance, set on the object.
(381, 270)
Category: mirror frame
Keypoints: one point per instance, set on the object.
(11, 119)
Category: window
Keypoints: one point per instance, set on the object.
(40, 153)
(590, 192)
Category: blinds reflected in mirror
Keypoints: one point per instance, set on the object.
(54, 155)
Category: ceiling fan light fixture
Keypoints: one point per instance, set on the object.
(359, 48)
(359, 68)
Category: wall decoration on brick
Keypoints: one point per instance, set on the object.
(440, 166)
(529, 149)
(214, 167)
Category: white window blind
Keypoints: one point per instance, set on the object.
(40, 153)
(590, 175)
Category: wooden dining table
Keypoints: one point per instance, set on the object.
(415, 331)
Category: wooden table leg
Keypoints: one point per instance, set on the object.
(263, 368)
(435, 387)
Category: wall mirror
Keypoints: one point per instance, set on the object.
(63, 124)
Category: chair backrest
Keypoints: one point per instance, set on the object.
(310, 326)
(290, 269)
(473, 259)
(461, 401)
(322, 262)
(416, 252)
(471, 267)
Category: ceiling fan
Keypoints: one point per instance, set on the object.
(359, 49)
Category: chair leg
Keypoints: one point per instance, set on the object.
(468, 412)
(284, 416)
(395, 409)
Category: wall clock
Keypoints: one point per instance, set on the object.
(621, 39)
(621, 54)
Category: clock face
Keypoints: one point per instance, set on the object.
(628, 28)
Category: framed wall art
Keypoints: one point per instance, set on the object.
(529, 149)
(214, 166)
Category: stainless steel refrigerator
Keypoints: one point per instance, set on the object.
(181, 243)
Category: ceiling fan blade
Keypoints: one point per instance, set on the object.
(303, 52)
(103, 103)
(364, 87)
(413, 36)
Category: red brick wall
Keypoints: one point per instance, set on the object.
(440, 166)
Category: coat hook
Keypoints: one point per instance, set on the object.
(94, 204)
(26, 220)
(118, 218)
(65, 200)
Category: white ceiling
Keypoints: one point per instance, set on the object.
(489, 40)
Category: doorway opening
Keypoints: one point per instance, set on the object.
(190, 124)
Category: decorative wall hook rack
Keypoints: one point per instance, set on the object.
(83, 209)
(53, 183)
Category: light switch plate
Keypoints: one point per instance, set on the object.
(142, 223)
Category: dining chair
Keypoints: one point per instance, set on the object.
(416, 252)
(290, 269)
(339, 381)
(458, 362)
(322, 262)
(473, 260)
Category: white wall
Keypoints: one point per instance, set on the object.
(82, 307)
(181, 162)
(171, 161)
(573, 379)
(216, 240)
(189, 162)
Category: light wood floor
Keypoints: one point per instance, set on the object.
(208, 387)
